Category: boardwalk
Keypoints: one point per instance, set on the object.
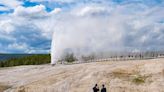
(120, 58)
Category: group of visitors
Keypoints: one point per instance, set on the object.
(96, 88)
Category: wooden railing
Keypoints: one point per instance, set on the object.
(113, 59)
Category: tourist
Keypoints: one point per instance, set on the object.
(95, 88)
(103, 89)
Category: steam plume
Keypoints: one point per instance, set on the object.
(98, 29)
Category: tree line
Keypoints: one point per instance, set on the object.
(35, 59)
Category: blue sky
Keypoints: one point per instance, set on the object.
(26, 26)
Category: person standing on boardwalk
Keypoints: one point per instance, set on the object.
(103, 89)
(95, 88)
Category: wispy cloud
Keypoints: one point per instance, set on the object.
(10, 4)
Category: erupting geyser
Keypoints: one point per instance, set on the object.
(53, 61)
(84, 38)
(97, 30)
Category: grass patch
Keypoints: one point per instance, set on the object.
(130, 75)
(3, 87)
(21, 89)
(138, 79)
(121, 73)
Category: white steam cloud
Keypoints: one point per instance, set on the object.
(95, 29)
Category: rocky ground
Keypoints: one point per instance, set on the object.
(118, 76)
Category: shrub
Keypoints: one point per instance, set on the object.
(138, 79)
(69, 57)
(86, 58)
